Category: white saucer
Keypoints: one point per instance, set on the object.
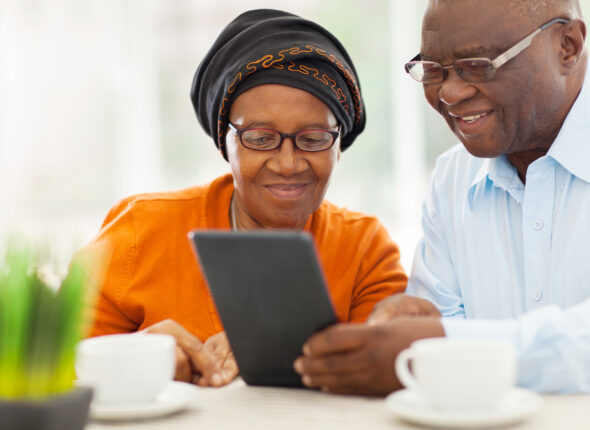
(176, 396)
(411, 406)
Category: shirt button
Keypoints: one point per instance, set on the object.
(537, 296)
(538, 225)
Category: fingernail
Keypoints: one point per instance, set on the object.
(306, 380)
(298, 366)
(216, 379)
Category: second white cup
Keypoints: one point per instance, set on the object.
(458, 374)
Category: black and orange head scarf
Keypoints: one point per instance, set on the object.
(270, 46)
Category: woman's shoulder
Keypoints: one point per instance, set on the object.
(330, 210)
(342, 235)
(335, 218)
(165, 202)
(168, 204)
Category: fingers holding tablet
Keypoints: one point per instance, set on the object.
(194, 362)
(401, 305)
(218, 345)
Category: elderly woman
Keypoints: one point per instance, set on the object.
(281, 99)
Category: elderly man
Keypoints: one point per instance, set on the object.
(507, 216)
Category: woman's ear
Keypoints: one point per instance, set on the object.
(573, 36)
(223, 144)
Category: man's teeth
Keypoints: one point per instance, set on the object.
(473, 118)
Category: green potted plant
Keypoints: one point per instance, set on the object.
(40, 326)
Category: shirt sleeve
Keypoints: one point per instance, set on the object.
(553, 345)
(433, 275)
(380, 275)
(108, 262)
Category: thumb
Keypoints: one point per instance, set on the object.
(378, 318)
(204, 363)
(382, 314)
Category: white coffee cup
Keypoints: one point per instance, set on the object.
(126, 368)
(458, 374)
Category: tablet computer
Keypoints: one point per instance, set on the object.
(270, 294)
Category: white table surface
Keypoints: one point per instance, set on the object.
(238, 406)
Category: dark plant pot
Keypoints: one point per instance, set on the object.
(63, 412)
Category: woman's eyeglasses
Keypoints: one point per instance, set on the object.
(266, 139)
(471, 69)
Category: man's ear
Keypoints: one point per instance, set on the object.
(573, 35)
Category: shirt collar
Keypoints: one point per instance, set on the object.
(499, 172)
(482, 172)
(571, 148)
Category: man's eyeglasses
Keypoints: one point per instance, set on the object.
(478, 69)
(266, 139)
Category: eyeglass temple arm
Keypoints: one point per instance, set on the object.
(515, 50)
(523, 44)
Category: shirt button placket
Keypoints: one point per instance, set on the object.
(537, 210)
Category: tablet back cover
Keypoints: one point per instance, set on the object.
(270, 293)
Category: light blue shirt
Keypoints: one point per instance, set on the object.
(494, 249)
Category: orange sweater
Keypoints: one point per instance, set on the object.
(150, 272)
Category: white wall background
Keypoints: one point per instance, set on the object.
(94, 106)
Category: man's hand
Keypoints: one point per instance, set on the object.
(219, 347)
(401, 305)
(194, 362)
(358, 358)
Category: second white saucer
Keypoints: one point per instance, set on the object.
(411, 406)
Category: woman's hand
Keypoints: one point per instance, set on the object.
(194, 362)
(401, 305)
(219, 347)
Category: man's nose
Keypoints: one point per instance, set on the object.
(454, 89)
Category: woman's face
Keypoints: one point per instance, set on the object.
(279, 188)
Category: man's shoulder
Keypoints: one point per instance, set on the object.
(457, 168)
(457, 157)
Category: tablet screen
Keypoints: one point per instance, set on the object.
(270, 294)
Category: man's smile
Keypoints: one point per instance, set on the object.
(470, 123)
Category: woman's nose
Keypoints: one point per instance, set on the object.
(286, 160)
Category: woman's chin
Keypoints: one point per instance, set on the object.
(287, 223)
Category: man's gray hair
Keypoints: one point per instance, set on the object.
(535, 10)
(545, 9)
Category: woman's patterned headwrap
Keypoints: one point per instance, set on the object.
(275, 47)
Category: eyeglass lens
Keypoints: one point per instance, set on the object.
(470, 69)
(264, 139)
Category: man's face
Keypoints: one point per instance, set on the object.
(516, 111)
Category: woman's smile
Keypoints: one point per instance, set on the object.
(287, 190)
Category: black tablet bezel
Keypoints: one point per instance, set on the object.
(270, 294)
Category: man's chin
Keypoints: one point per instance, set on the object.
(480, 149)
